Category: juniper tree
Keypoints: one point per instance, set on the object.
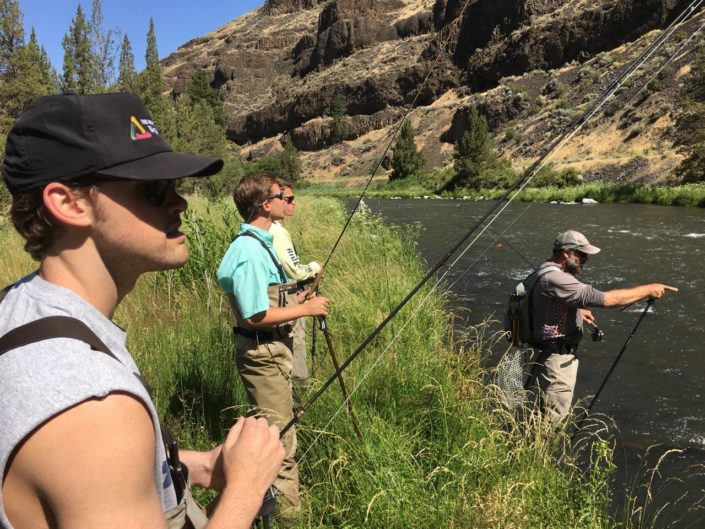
(338, 129)
(406, 159)
(290, 162)
(200, 91)
(473, 154)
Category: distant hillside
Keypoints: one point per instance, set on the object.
(529, 65)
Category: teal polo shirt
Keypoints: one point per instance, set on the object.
(247, 270)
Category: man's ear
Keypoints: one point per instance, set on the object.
(68, 206)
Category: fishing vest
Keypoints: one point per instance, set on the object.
(187, 514)
(518, 319)
(283, 294)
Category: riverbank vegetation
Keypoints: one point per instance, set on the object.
(439, 448)
(416, 187)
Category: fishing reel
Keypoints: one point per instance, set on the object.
(596, 334)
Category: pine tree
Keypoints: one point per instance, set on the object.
(81, 72)
(151, 84)
(690, 125)
(406, 158)
(35, 77)
(25, 71)
(473, 154)
(11, 41)
(290, 162)
(127, 77)
(11, 35)
(104, 47)
(153, 81)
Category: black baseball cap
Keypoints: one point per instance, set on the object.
(66, 137)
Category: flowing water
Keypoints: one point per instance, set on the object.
(656, 393)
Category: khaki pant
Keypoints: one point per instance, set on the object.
(299, 372)
(556, 378)
(187, 514)
(265, 370)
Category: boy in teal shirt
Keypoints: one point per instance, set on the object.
(265, 305)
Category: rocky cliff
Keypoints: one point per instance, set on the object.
(527, 64)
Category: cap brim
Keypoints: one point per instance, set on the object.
(589, 249)
(165, 166)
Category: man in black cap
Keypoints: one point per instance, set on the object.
(558, 306)
(93, 189)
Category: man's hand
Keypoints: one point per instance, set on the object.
(588, 317)
(252, 456)
(250, 459)
(658, 290)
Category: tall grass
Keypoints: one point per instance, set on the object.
(439, 448)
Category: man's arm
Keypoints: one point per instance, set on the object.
(90, 466)
(627, 296)
(286, 252)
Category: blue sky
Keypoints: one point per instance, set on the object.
(175, 21)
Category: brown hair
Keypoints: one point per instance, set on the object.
(251, 192)
(284, 183)
(33, 221)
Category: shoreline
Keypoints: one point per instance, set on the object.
(688, 195)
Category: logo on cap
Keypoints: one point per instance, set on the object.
(142, 129)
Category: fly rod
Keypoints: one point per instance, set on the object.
(649, 304)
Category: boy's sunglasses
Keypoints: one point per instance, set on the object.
(289, 198)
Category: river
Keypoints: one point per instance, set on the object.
(655, 395)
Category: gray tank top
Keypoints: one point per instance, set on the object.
(40, 380)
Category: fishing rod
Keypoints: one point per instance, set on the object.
(649, 304)
(512, 192)
(336, 365)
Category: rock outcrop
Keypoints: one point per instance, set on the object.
(279, 68)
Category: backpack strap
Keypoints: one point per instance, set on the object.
(52, 327)
(282, 275)
(68, 327)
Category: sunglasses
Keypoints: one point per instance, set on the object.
(279, 195)
(289, 199)
(155, 191)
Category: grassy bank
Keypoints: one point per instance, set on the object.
(683, 195)
(439, 450)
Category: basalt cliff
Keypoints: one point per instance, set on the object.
(530, 66)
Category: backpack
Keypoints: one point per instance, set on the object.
(518, 317)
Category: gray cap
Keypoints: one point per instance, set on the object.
(574, 240)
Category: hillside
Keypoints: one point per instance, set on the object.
(530, 66)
